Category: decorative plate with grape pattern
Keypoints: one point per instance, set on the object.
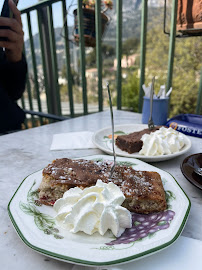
(36, 226)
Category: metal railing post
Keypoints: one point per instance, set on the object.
(67, 60)
(172, 44)
(29, 94)
(54, 59)
(36, 84)
(119, 53)
(50, 76)
(199, 100)
(99, 52)
(82, 56)
(142, 51)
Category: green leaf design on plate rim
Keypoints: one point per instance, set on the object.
(43, 221)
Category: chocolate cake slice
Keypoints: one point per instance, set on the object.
(132, 143)
(143, 189)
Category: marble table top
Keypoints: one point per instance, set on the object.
(24, 152)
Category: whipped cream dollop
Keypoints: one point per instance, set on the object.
(162, 142)
(94, 209)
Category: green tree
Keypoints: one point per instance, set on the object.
(186, 75)
(107, 52)
(91, 59)
(186, 69)
(75, 75)
(130, 46)
(130, 92)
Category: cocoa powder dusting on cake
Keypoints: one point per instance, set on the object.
(143, 189)
(77, 172)
(71, 172)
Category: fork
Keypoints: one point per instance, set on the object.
(112, 122)
(150, 122)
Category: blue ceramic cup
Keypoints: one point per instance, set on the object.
(159, 112)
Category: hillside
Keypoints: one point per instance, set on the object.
(131, 28)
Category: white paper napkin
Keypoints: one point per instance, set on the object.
(72, 140)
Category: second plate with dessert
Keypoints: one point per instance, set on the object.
(103, 140)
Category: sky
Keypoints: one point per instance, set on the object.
(57, 18)
(22, 3)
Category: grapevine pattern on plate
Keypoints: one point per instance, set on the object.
(143, 226)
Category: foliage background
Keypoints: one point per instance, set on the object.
(186, 69)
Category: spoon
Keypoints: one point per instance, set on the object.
(150, 122)
(198, 171)
(112, 122)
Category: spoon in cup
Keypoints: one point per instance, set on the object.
(150, 122)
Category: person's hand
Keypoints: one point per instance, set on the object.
(15, 35)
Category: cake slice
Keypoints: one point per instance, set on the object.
(63, 174)
(132, 142)
(143, 190)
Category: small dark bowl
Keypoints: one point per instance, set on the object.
(187, 167)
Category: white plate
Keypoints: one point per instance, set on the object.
(35, 225)
(102, 139)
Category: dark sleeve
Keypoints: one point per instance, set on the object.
(13, 77)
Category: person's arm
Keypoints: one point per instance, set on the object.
(13, 67)
(13, 77)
